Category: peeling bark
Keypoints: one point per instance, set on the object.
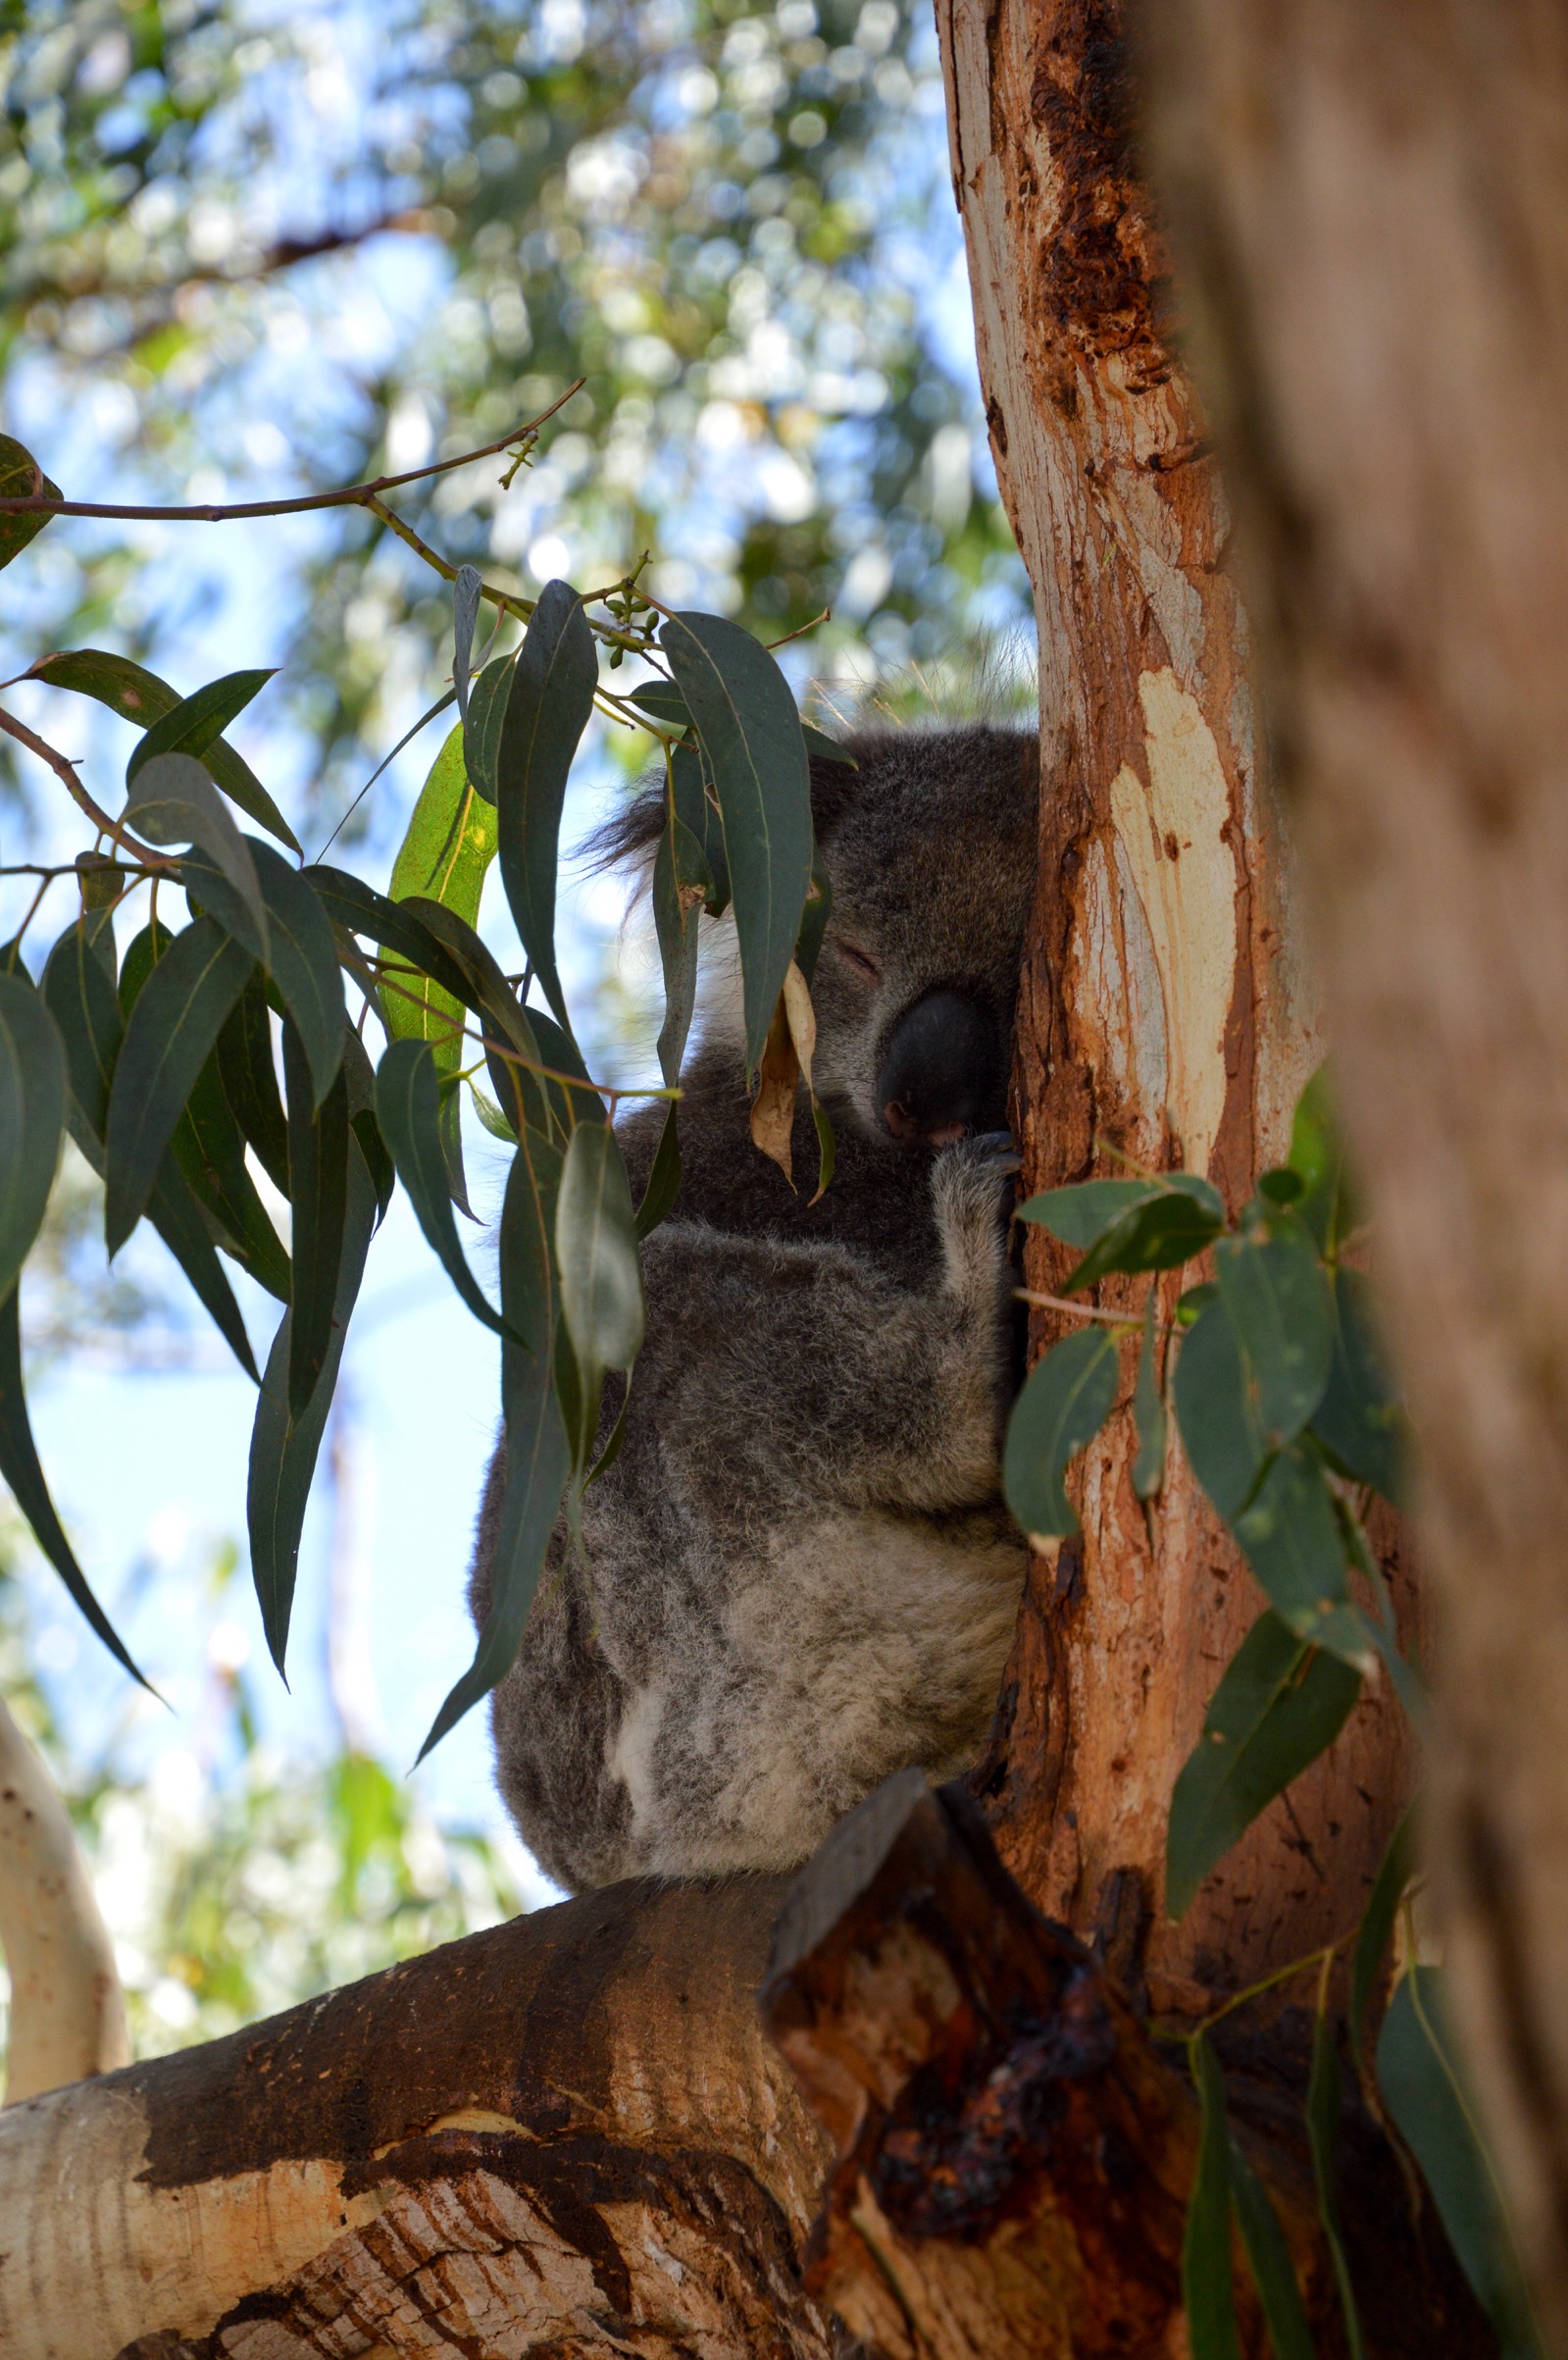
(1373, 211)
(1165, 1014)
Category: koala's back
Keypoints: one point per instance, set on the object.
(798, 1574)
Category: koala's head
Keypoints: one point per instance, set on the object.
(931, 848)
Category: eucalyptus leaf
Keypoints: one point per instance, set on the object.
(85, 1006)
(21, 479)
(180, 1221)
(33, 1086)
(1269, 2258)
(556, 673)
(170, 801)
(197, 721)
(1276, 1293)
(1208, 2289)
(359, 1080)
(303, 964)
(465, 614)
(1323, 2138)
(1293, 1545)
(663, 1183)
(1173, 1223)
(596, 1252)
(1278, 1705)
(249, 1078)
(697, 809)
(825, 748)
(209, 1147)
(1148, 1408)
(320, 1156)
(172, 1031)
(1317, 1155)
(681, 882)
(1377, 1925)
(482, 725)
(1359, 1420)
(1215, 1411)
(1081, 1214)
(1063, 1405)
(756, 758)
(408, 1111)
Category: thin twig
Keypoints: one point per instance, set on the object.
(1087, 1310)
(66, 771)
(352, 495)
(826, 616)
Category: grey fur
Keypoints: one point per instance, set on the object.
(802, 1577)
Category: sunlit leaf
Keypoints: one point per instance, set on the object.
(18, 1464)
(283, 1450)
(1278, 1705)
(21, 479)
(408, 1108)
(1063, 1405)
(1276, 1293)
(1323, 2138)
(170, 801)
(1148, 1408)
(1209, 2290)
(171, 1034)
(1424, 2092)
(1293, 1545)
(33, 1087)
(1359, 1420)
(596, 1252)
(320, 1156)
(556, 672)
(1377, 1923)
(756, 758)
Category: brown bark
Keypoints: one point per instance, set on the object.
(1373, 210)
(1165, 1014)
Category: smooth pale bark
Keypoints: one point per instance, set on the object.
(68, 2012)
(1372, 210)
(1164, 1012)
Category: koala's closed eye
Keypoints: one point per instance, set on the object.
(862, 960)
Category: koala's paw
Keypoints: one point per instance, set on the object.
(971, 1185)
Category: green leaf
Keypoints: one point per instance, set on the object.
(596, 1253)
(663, 1182)
(1278, 1705)
(826, 748)
(538, 1458)
(1323, 2136)
(557, 671)
(1293, 1544)
(1359, 1420)
(1193, 1301)
(209, 1147)
(1377, 1923)
(140, 695)
(1317, 1154)
(681, 882)
(250, 1081)
(408, 1109)
(1423, 2092)
(1063, 1405)
(1215, 1413)
(813, 923)
(450, 841)
(1276, 1293)
(465, 614)
(320, 1153)
(1209, 2290)
(85, 1006)
(178, 1220)
(1173, 1223)
(1081, 1214)
(145, 950)
(197, 721)
(18, 1464)
(359, 909)
(21, 479)
(755, 755)
(481, 728)
(1148, 1408)
(32, 1116)
(569, 1102)
(172, 1032)
(173, 801)
(304, 964)
(359, 1080)
(665, 702)
(696, 807)
(283, 1450)
(1269, 2257)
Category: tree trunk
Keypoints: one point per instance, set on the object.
(1165, 1014)
(1373, 209)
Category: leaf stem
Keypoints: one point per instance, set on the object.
(1087, 1310)
(66, 771)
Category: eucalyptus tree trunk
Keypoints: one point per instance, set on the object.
(1372, 215)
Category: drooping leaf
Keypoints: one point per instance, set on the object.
(1278, 1705)
(814, 921)
(1172, 1224)
(465, 614)
(1063, 1405)
(18, 1464)
(178, 1220)
(663, 1184)
(1081, 1214)
(1209, 2290)
(304, 964)
(1323, 2136)
(359, 909)
(1359, 1420)
(21, 479)
(567, 1090)
(142, 955)
(320, 1156)
(1317, 1154)
(1293, 1544)
(408, 1109)
(197, 721)
(826, 748)
(1269, 2258)
(1276, 1292)
(681, 882)
(596, 1252)
(756, 758)
(481, 729)
(663, 700)
(85, 1006)
(1215, 1411)
(1424, 2092)
(33, 1117)
(140, 695)
(1377, 1925)
(209, 1147)
(696, 807)
(171, 800)
(539, 1458)
(359, 1080)
(1148, 1408)
(556, 673)
(173, 1029)
(283, 1450)
(250, 1081)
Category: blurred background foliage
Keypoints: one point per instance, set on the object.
(253, 247)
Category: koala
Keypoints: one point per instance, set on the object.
(798, 1576)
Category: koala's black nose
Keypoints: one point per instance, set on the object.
(942, 1071)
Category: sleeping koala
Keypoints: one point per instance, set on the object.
(800, 1575)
